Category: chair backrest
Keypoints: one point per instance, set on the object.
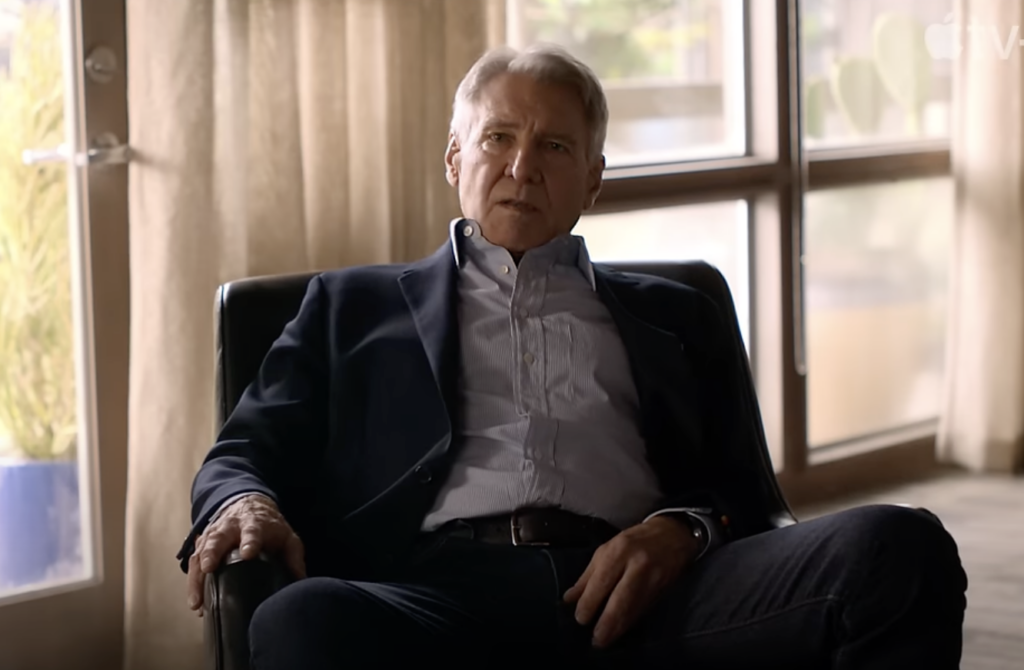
(251, 313)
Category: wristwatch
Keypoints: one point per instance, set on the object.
(697, 529)
(701, 522)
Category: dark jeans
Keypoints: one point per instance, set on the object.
(874, 587)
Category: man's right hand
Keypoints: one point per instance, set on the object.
(256, 525)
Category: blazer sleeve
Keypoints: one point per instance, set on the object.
(279, 426)
(730, 484)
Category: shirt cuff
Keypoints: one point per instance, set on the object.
(702, 515)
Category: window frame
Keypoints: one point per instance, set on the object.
(774, 176)
(89, 612)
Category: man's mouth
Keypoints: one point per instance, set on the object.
(519, 205)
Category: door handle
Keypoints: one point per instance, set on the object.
(106, 149)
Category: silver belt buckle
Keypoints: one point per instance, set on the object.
(517, 540)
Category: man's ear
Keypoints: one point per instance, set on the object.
(595, 177)
(452, 159)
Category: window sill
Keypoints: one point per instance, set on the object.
(862, 465)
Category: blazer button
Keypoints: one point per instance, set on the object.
(423, 474)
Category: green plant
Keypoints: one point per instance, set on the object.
(859, 93)
(817, 98)
(37, 372)
(904, 64)
(900, 69)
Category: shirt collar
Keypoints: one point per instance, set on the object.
(462, 231)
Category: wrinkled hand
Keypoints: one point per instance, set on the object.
(627, 573)
(255, 524)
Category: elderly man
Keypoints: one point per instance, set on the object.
(505, 453)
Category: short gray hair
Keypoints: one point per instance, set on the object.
(547, 63)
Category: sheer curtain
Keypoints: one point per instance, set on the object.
(272, 136)
(983, 421)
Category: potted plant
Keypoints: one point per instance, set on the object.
(39, 501)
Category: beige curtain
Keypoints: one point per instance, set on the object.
(983, 422)
(272, 136)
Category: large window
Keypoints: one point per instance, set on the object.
(875, 277)
(810, 167)
(41, 430)
(868, 75)
(673, 71)
(63, 332)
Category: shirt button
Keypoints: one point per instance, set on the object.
(523, 312)
(423, 474)
(528, 357)
(467, 231)
(504, 269)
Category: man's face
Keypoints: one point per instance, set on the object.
(521, 162)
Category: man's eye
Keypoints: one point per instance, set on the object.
(496, 137)
(556, 146)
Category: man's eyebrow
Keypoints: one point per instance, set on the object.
(504, 124)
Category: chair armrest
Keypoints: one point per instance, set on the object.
(231, 595)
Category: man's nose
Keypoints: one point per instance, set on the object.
(525, 165)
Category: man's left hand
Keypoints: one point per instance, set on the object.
(627, 574)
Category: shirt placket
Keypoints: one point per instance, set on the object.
(527, 302)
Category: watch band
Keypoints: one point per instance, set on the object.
(703, 522)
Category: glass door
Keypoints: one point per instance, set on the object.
(63, 332)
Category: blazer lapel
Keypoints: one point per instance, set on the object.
(664, 380)
(430, 290)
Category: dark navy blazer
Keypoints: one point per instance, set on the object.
(348, 425)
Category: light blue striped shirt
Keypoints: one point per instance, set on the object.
(549, 415)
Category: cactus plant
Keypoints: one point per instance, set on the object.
(904, 65)
(859, 93)
(817, 99)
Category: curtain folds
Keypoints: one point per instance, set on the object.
(982, 427)
(272, 136)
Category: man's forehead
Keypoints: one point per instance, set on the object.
(496, 112)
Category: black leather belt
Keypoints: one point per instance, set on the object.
(536, 527)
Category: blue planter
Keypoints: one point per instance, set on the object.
(40, 535)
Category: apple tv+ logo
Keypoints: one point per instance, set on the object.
(945, 41)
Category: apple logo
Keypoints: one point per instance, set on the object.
(943, 39)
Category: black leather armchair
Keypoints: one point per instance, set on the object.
(251, 313)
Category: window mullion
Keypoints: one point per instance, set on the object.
(790, 148)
